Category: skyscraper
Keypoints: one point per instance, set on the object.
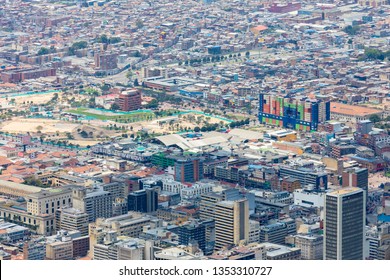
(231, 223)
(345, 215)
(188, 170)
(144, 201)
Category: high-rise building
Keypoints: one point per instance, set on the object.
(145, 201)
(96, 203)
(74, 219)
(189, 170)
(129, 100)
(345, 216)
(207, 205)
(356, 177)
(106, 61)
(299, 112)
(130, 224)
(231, 223)
(193, 232)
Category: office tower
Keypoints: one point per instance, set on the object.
(145, 201)
(231, 223)
(106, 61)
(207, 205)
(193, 232)
(73, 219)
(189, 170)
(129, 100)
(299, 112)
(96, 203)
(116, 189)
(345, 216)
(356, 177)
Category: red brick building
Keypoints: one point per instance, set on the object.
(129, 100)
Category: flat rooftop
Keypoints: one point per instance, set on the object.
(344, 109)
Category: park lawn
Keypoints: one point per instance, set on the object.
(134, 116)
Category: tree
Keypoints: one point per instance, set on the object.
(196, 128)
(139, 24)
(84, 134)
(136, 83)
(374, 118)
(43, 51)
(115, 107)
(247, 54)
(351, 30)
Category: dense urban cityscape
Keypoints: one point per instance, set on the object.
(194, 130)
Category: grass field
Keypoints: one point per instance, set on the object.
(112, 116)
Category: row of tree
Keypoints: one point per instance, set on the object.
(374, 54)
(215, 58)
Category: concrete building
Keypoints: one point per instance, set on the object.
(73, 219)
(207, 205)
(59, 250)
(274, 233)
(96, 203)
(309, 198)
(41, 224)
(356, 177)
(11, 233)
(48, 201)
(312, 246)
(231, 223)
(130, 224)
(34, 250)
(281, 252)
(307, 176)
(254, 231)
(351, 113)
(120, 249)
(378, 238)
(106, 61)
(345, 219)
